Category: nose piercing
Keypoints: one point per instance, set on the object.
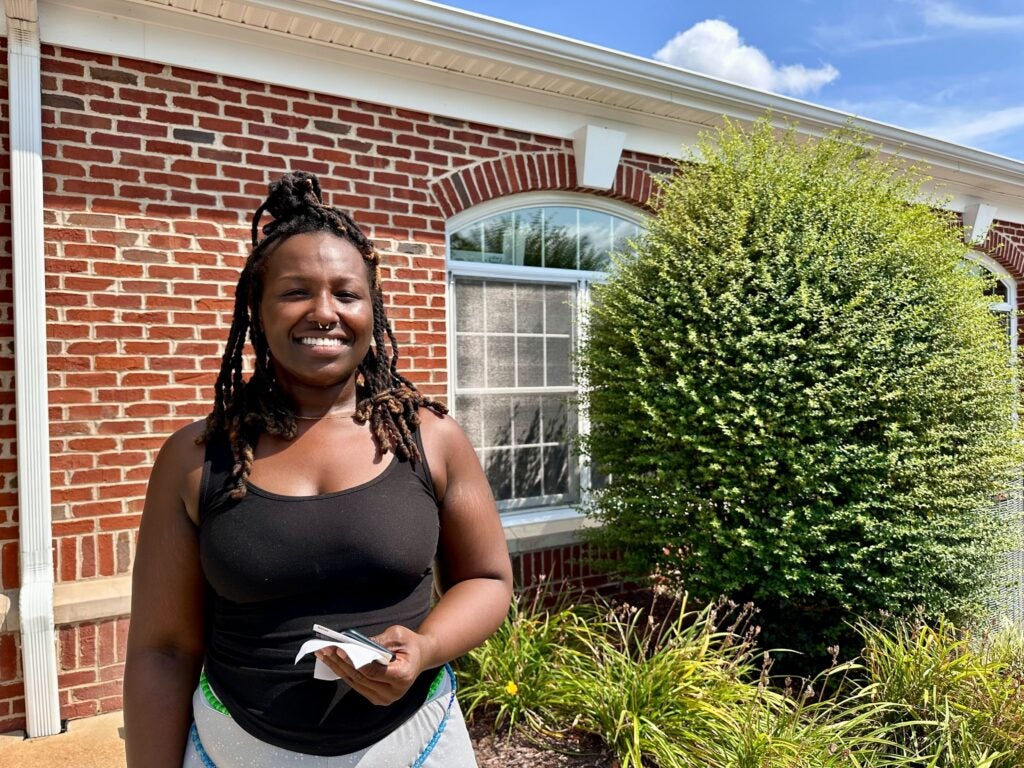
(323, 327)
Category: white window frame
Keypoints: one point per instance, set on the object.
(1010, 305)
(533, 527)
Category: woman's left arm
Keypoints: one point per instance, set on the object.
(475, 572)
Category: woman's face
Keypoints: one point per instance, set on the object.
(316, 310)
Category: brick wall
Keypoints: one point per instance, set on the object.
(150, 176)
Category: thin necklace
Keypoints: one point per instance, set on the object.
(327, 415)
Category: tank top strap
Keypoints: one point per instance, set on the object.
(218, 462)
(422, 467)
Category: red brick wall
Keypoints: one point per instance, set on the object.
(150, 176)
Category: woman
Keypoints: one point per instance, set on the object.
(320, 490)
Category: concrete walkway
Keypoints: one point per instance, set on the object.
(91, 742)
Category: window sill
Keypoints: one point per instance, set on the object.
(533, 529)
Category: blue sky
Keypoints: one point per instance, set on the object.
(953, 69)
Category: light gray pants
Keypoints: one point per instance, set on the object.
(228, 746)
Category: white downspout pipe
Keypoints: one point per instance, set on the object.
(38, 640)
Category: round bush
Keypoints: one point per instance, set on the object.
(798, 389)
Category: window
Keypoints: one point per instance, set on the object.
(520, 278)
(1002, 291)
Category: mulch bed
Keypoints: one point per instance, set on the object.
(499, 750)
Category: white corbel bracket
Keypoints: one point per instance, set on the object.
(597, 152)
(978, 218)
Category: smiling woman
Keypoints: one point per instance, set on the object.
(279, 511)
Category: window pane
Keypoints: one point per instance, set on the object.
(470, 353)
(498, 467)
(465, 244)
(560, 232)
(470, 411)
(559, 419)
(560, 237)
(528, 471)
(529, 308)
(558, 310)
(624, 232)
(530, 236)
(530, 358)
(469, 305)
(595, 239)
(497, 421)
(556, 469)
(559, 364)
(498, 239)
(527, 420)
(500, 302)
(501, 361)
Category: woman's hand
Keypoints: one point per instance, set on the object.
(382, 684)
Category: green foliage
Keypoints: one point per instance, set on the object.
(958, 700)
(655, 693)
(680, 688)
(512, 673)
(798, 390)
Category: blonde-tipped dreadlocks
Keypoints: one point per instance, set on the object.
(243, 410)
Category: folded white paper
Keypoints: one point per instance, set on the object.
(359, 655)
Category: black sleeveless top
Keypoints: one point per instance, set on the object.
(275, 565)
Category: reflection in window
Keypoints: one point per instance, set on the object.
(556, 237)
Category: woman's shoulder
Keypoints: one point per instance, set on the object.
(179, 465)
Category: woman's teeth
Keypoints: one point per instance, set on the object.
(320, 342)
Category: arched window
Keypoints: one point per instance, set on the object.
(520, 271)
(1003, 293)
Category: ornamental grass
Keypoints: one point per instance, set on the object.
(671, 686)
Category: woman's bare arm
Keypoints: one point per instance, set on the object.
(165, 641)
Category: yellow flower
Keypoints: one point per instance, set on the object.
(511, 689)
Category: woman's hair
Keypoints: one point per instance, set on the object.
(243, 410)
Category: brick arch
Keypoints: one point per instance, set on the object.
(1008, 252)
(533, 172)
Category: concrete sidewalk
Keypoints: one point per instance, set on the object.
(90, 742)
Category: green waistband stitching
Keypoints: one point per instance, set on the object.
(436, 684)
(210, 696)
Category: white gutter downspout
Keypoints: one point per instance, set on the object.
(38, 640)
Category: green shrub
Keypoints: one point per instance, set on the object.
(799, 392)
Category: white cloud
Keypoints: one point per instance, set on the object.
(715, 48)
(982, 127)
(968, 128)
(943, 14)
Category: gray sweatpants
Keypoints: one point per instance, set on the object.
(228, 746)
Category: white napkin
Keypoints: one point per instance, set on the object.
(359, 655)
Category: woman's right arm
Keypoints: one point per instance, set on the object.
(165, 640)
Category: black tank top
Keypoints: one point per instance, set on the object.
(275, 565)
